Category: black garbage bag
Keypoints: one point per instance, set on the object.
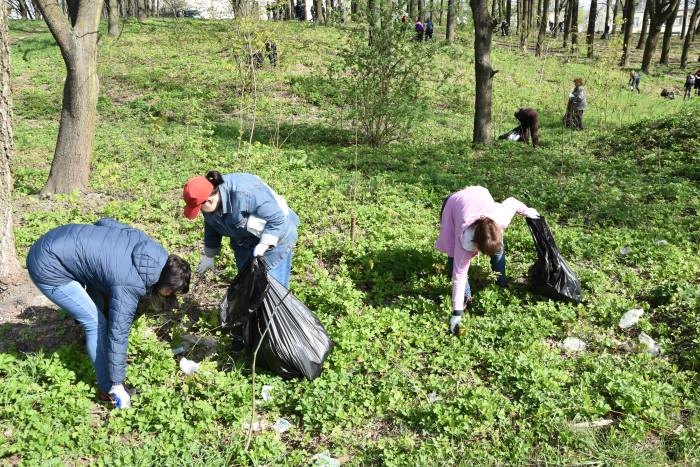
(296, 343)
(516, 134)
(551, 276)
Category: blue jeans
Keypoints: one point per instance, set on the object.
(85, 305)
(280, 271)
(498, 265)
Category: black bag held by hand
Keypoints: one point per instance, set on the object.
(551, 276)
(296, 343)
(516, 134)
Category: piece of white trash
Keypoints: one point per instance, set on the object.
(266, 392)
(188, 366)
(573, 344)
(625, 251)
(592, 424)
(281, 425)
(631, 317)
(649, 344)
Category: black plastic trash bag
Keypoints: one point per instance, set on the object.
(296, 343)
(551, 276)
(516, 134)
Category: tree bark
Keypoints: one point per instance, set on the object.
(421, 11)
(509, 11)
(318, 5)
(685, 18)
(9, 265)
(607, 14)
(543, 28)
(590, 33)
(567, 23)
(659, 11)
(483, 31)
(645, 23)
(628, 22)
(442, 8)
(79, 42)
(557, 7)
(23, 10)
(613, 28)
(688, 37)
(574, 26)
(113, 18)
(668, 34)
(140, 10)
(450, 33)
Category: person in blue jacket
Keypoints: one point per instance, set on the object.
(97, 273)
(245, 209)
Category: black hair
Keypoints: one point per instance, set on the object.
(215, 178)
(175, 276)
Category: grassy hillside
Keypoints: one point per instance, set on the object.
(398, 389)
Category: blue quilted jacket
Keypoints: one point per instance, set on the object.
(112, 257)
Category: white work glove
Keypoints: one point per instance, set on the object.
(260, 249)
(122, 397)
(532, 213)
(454, 323)
(206, 263)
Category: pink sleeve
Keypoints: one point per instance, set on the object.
(460, 272)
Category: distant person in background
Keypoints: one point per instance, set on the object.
(697, 81)
(529, 123)
(271, 49)
(551, 26)
(471, 222)
(606, 32)
(634, 81)
(689, 84)
(429, 28)
(578, 103)
(420, 29)
(561, 26)
(504, 28)
(97, 274)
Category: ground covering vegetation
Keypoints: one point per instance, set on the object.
(622, 198)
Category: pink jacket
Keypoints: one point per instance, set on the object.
(462, 209)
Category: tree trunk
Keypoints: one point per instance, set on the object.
(9, 265)
(645, 23)
(607, 14)
(113, 18)
(23, 10)
(318, 5)
(574, 26)
(689, 36)
(590, 33)
(628, 22)
(451, 21)
(543, 28)
(442, 8)
(659, 11)
(613, 29)
(483, 31)
(557, 6)
(567, 23)
(79, 42)
(509, 11)
(685, 18)
(421, 11)
(668, 34)
(141, 10)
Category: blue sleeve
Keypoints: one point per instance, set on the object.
(122, 306)
(111, 223)
(212, 240)
(263, 204)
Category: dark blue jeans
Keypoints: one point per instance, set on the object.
(498, 265)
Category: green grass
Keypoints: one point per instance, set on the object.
(397, 390)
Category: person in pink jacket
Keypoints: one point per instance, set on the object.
(472, 223)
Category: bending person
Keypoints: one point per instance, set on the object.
(255, 218)
(472, 223)
(97, 273)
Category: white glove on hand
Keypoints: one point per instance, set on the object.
(260, 249)
(122, 397)
(205, 264)
(532, 213)
(454, 323)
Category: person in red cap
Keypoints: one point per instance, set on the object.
(245, 209)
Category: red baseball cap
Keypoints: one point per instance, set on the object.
(197, 190)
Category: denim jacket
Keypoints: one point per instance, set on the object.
(251, 213)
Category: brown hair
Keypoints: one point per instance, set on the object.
(488, 236)
(578, 81)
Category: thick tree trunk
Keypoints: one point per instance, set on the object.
(113, 18)
(140, 10)
(543, 28)
(557, 7)
(23, 10)
(79, 42)
(567, 23)
(659, 11)
(509, 11)
(668, 34)
(685, 18)
(574, 26)
(9, 265)
(590, 32)
(613, 28)
(645, 24)
(689, 36)
(421, 11)
(483, 31)
(442, 8)
(607, 14)
(318, 5)
(628, 22)
(451, 21)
